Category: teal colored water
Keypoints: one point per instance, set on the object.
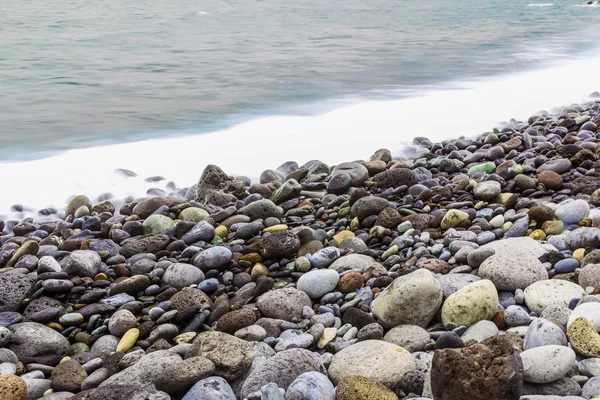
(79, 73)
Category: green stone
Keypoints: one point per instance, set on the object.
(492, 139)
(343, 329)
(344, 211)
(77, 348)
(99, 330)
(345, 204)
(389, 252)
(156, 224)
(71, 319)
(377, 231)
(195, 214)
(29, 247)
(216, 240)
(146, 299)
(488, 168)
(279, 285)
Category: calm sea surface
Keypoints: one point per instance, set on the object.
(81, 73)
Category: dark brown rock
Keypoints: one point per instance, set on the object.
(419, 221)
(435, 265)
(491, 370)
(132, 286)
(389, 218)
(541, 214)
(393, 178)
(350, 282)
(550, 179)
(147, 244)
(234, 320)
(145, 208)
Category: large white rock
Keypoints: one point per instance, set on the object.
(473, 303)
(547, 364)
(412, 299)
(380, 361)
(512, 271)
(518, 246)
(542, 294)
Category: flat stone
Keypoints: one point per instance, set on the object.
(547, 364)
(542, 294)
(511, 272)
(377, 360)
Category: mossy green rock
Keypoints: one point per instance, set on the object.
(361, 388)
(157, 224)
(473, 303)
(71, 319)
(193, 214)
(488, 168)
(525, 182)
(453, 218)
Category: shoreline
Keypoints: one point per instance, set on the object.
(467, 269)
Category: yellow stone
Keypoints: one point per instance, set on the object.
(328, 336)
(101, 277)
(66, 358)
(553, 227)
(48, 392)
(507, 226)
(453, 218)
(538, 234)
(258, 270)
(579, 254)
(221, 231)
(354, 224)
(186, 337)
(251, 258)
(585, 222)
(128, 340)
(583, 338)
(507, 199)
(56, 326)
(340, 236)
(276, 228)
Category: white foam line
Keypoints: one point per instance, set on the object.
(347, 133)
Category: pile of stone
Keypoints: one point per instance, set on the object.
(468, 269)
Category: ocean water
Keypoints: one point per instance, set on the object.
(164, 88)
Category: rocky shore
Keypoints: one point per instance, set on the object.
(468, 269)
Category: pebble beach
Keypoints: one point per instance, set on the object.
(465, 269)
